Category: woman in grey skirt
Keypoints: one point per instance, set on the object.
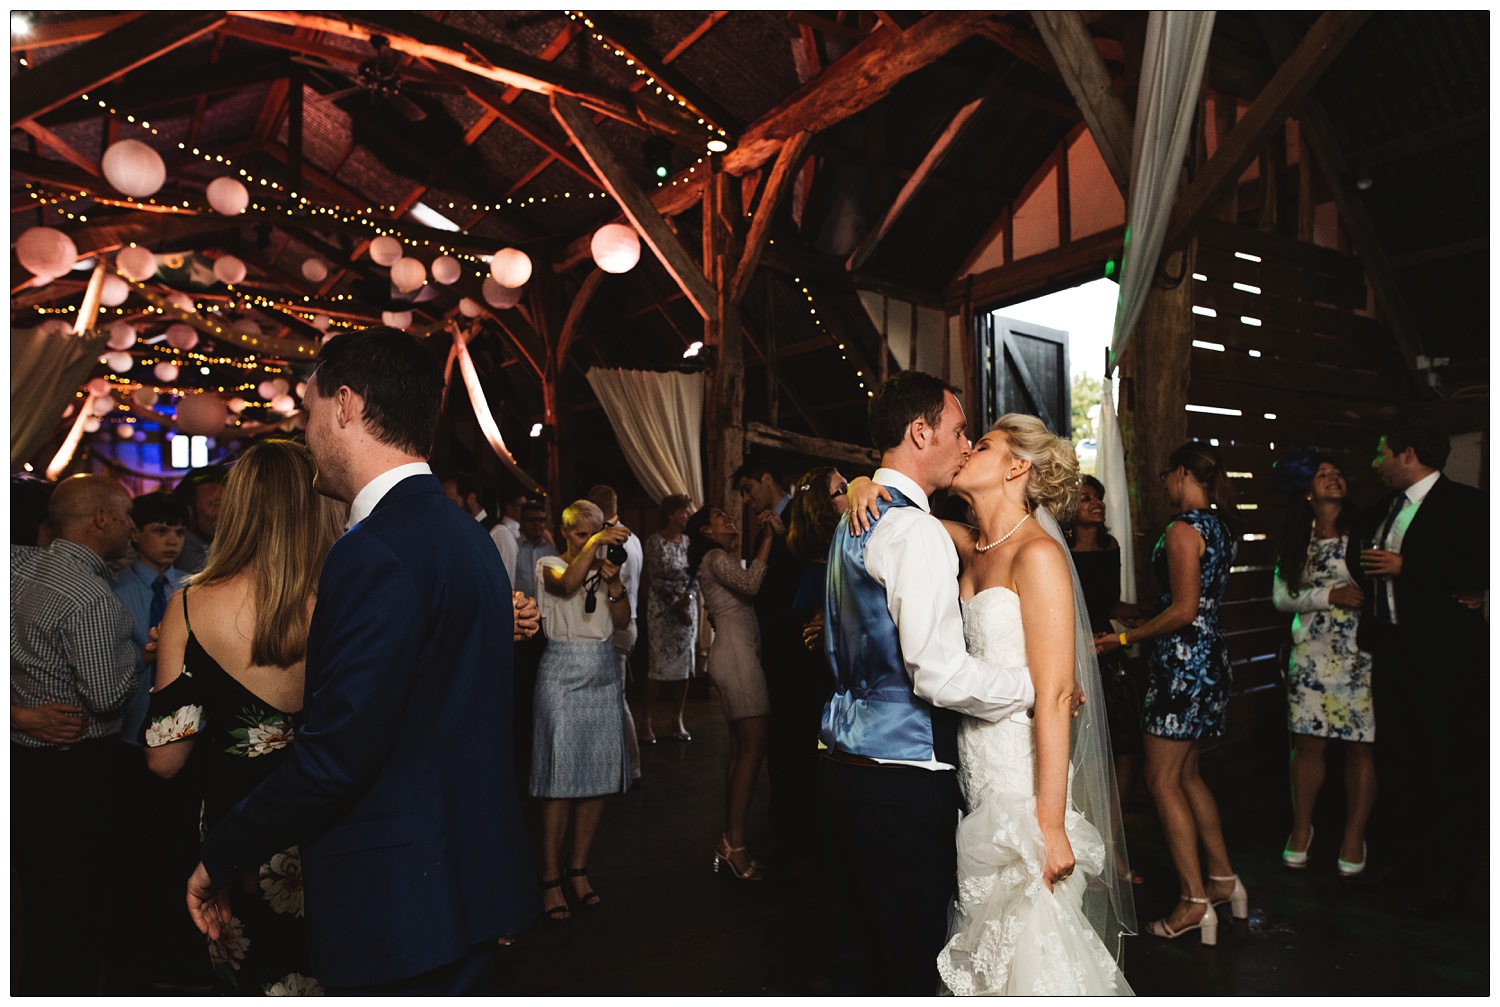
(578, 748)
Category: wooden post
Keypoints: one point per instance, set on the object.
(1153, 421)
(725, 415)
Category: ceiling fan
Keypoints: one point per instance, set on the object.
(380, 77)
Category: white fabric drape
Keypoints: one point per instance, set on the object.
(658, 420)
(1171, 75)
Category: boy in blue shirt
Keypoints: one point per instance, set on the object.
(144, 587)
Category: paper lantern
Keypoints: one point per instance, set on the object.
(228, 195)
(469, 308)
(182, 336)
(137, 263)
(314, 271)
(99, 387)
(229, 269)
(46, 251)
(385, 250)
(56, 327)
(133, 168)
(510, 267)
(396, 319)
(144, 397)
(114, 291)
(321, 322)
(121, 336)
(408, 274)
(284, 404)
(302, 389)
(118, 361)
(499, 296)
(445, 269)
(125, 432)
(616, 248)
(91, 425)
(165, 372)
(282, 385)
(267, 390)
(182, 300)
(202, 415)
(103, 405)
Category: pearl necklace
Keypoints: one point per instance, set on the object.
(1002, 538)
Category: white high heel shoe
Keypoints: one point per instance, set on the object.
(1238, 899)
(1292, 858)
(1349, 870)
(1207, 927)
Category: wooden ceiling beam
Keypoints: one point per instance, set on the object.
(1441, 253)
(1089, 81)
(618, 33)
(43, 36)
(493, 100)
(145, 90)
(830, 28)
(306, 44)
(637, 206)
(1019, 43)
(783, 175)
(46, 137)
(1469, 127)
(105, 58)
(1288, 87)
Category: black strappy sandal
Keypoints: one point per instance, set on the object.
(558, 914)
(589, 897)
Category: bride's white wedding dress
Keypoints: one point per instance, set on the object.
(1009, 935)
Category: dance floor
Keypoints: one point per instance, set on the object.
(669, 926)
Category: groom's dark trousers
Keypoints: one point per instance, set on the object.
(889, 835)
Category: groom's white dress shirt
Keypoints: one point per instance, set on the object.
(911, 555)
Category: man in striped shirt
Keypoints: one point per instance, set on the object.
(71, 656)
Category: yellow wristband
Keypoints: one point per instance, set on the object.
(1122, 641)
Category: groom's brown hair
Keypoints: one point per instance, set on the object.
(900, 399)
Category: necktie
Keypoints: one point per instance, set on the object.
(158, 600)
(1382, 588)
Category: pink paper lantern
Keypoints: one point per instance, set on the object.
(165, 373)
(136, 263)
(470, 308)
(510, 267)
(202, 415)
(228, 196)
(46, 251)
(446, 269)
(99, 387)
(182, 336)
(133, 168)
(314, 271)
(121, 336)
(229, 269)
(118, 361)
(385, 250)
(114, 292)
(498, 295)
(408, 274)
(616, 248)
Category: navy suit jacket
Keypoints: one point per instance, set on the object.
(399, 787)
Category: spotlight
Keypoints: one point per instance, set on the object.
(717, 146)
(20, 24)
(536, 430)
(658, 154)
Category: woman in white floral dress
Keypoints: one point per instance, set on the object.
(229, 683)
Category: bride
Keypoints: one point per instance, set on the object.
(1042, 898)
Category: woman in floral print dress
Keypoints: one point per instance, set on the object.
(1328, 676)
(229, 683)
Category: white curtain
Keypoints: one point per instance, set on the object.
(1171, 75)
(658, 420)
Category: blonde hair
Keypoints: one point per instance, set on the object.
(581, 512)
(272, 522)
(1054, 465)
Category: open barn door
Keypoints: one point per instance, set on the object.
(1023, 368)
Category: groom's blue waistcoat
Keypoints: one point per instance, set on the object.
(873, 711)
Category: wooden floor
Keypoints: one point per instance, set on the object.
(670, 927)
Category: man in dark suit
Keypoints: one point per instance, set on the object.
(1429, 564)
(399, 788)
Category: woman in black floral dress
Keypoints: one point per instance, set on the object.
(229, 681)
(1187, 696)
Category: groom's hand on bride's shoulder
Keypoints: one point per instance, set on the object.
(864, 508)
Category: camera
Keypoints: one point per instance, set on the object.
(616, 554)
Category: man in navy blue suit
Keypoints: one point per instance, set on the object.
(400, 788)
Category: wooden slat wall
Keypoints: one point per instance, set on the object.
(1313, 372)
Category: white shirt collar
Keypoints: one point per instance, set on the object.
(481, 515)
(376, 489)
(904, 483)
(1417, 491)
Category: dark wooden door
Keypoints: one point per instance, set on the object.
(1023, 368)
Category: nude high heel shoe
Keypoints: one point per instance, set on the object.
(1295, 859)
(1238, 899)
(1207, 927)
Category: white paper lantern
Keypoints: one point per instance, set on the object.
(121, 336)
(314, 271)
(446, 269)
(182, 336)
(302, 389)
(469, 308)
(282, 385)
(56, 327)
(229, 269)
(237, 405)
(396, 319)
(182, 300)
(114, 291)
(99, 387)
(616, 248)
(321, 322)
(46, 251)
(267, 390)
(499, 296)
(202, 415)
(166, 373)
(510, 267)
(144, 397)
(385, 250)
(228, 195)
(118, 361)
(133, 168)
(124, 431)
(137, 263)
(408, 274)
(283, 404)
(104, 405)
(91, 425)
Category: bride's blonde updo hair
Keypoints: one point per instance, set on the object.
(1054, 466)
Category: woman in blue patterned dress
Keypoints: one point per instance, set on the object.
(1187, 696)
(1328, 676)
(229, 681)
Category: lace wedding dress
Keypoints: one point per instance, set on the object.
(1009, 935)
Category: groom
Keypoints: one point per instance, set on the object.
(894, 636)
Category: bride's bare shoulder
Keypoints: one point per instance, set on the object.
(1041, 559)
